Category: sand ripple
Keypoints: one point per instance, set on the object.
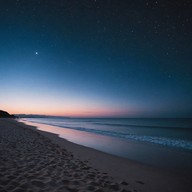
(30, 162)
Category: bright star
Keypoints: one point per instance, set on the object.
(36, 53)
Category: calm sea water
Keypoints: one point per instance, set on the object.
(175, 133)
(163, 143)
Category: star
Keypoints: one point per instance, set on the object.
(36, 53)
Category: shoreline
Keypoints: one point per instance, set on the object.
(150, 154)
(139, 177)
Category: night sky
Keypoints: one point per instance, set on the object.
(96, 58)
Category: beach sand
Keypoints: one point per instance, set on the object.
(32, 160)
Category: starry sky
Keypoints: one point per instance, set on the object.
(96, 58)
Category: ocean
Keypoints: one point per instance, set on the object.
(167, 132)
(151, 141)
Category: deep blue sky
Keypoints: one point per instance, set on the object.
(96, 57)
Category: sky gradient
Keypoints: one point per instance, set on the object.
(96, 58)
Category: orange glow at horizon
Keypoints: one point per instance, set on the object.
(69, 111)
(28, 102)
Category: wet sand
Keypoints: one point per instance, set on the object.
(32, 160)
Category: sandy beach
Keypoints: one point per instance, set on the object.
(32, 160)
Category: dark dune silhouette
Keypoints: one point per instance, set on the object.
(4, 114)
